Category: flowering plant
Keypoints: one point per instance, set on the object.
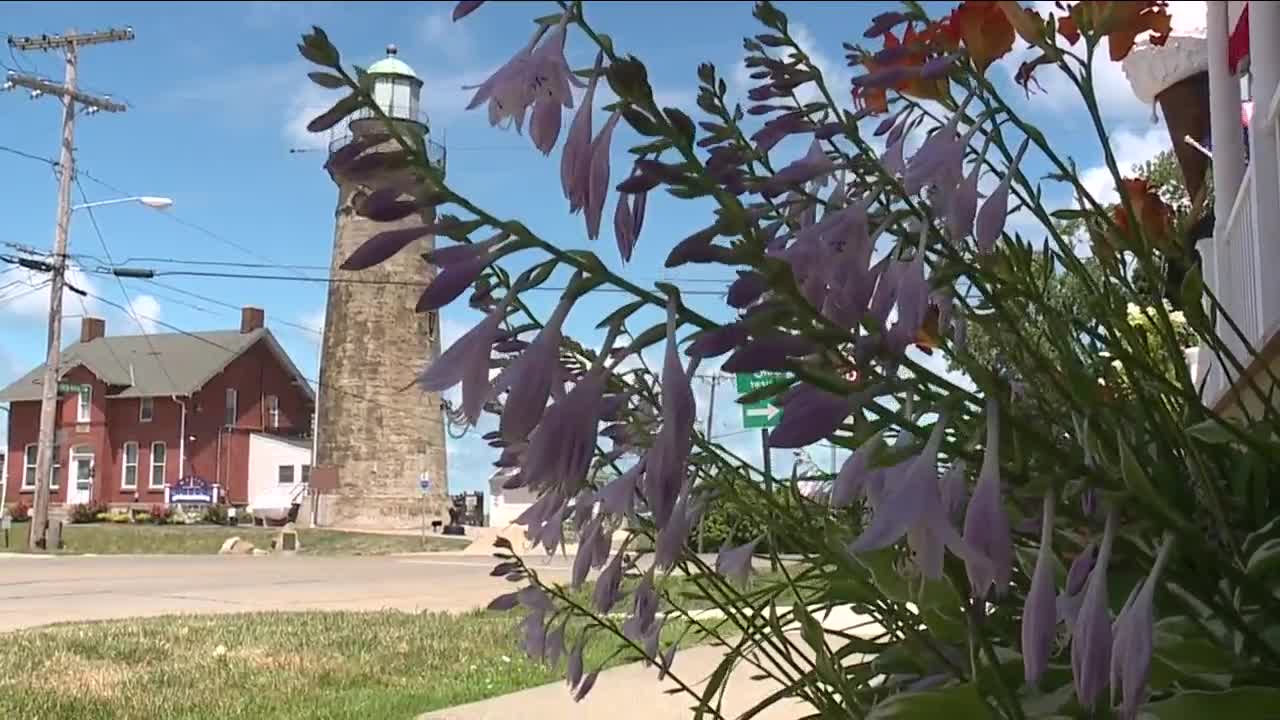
(998, 564)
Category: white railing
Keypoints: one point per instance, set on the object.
(1237, 269)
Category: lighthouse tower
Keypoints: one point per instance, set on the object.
(379, 438)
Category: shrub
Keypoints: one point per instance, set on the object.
(20, 511)
(159, 514)
(216, 514)
(117, 516)
(87, 512)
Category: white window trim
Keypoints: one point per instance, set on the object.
(151, 473)
(273, 412)
(26, 453)
(230, 407)
(142, 403)
(125, 465)
(84, 404)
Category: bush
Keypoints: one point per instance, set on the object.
(216, 514)
(87, 512)
(20, 511)
(159, 514)
(116, 516)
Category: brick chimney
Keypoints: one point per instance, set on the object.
(92, 328)
(252, 318)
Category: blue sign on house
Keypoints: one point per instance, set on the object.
(192, 489)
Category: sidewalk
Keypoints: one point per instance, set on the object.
(632, 692)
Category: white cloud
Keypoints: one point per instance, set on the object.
(1130, 149)
(146, 313)
(835, 74)
(313, 319)
(453, 40)
(28, 297)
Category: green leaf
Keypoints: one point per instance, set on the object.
(641, 123)
(328, 81)
(713, 685)
(538, 274)
(1136, 480)
(317, 48)
(1192, 295)
(1069, 214)
(647, 338)
(1264, 560)
(1211, 432)
(954, 703)
(1244, 703)
(682, 123)
(620, 315)
(335, 114)
(630, 80)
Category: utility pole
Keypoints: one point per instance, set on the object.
(69, 44)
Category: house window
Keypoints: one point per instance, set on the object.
(273, 411)
(146, 409)
(231, 413)
(82, 466)
(306, 473)
(84, 404)
(29, 467)
(286, 474)
(157, 465)
(129, 478)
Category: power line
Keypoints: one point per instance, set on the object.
(228, 305)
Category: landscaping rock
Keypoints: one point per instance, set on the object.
(236, 546)
(260, 551)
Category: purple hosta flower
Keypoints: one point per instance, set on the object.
(560, 448)
(668, 659)
(575, 158)
(1078, 574)
(583, 560)
(962, 205)
(852, 479)
(1091, 637)
(588, 682)
(1039, 614)
(528, 379)
(383, 246)
(554, 647)
(583, 508)
(955, 491)
(535, 75)
(815, 165)
(618, 498)
(735, 562)
(717, 341)
(778, 128)
(465, 8)
(598, 175)
(546, 528)
(628, 219)
(1131, 651)
(888, 77)
(673, 535)
(913, 303)
(1089, 502)
(608, 585)
(940, 159)
(912, 506)
(748, 288)
(535, 599)
(884, 22)
(809, 415)
(467, 362)
(986, 526)
(768, 352)
(534, 629)
(573, 665)
(666, 462)
(992, 216)
(651, 641)
(643, 610)
(697, 248)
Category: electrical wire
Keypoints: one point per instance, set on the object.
(228, 305)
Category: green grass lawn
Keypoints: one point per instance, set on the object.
(113, 539)
(370, 666)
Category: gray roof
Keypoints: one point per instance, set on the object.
(155, 365)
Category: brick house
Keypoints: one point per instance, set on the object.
(137, 413)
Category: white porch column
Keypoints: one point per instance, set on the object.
(1224, 118)
(1264, 64)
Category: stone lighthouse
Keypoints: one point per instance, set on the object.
(381, 440)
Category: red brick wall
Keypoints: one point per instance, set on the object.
(216, 454)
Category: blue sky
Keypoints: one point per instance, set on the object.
(218, 97)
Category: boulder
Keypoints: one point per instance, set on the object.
(235, 545)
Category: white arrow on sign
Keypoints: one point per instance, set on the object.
(768, 411)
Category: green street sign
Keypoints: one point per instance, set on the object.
(763, 414)
(68, 387)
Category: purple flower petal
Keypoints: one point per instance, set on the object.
(598, 177)
(385, 205)
(735, 562)
(986, 525)
(573, 673)
(575, 159)
(667, 461)
(383, 246)
(605, 594)
(465, 8)
(853, 475)
(1091, 637)
(717, 341)
(994, 212)
(770, 352)
(673, 535)
(748, 288)
(588, 682)
(884, 22)
(561, 447)
(528, 379)
(955, 492)
(809, 415)
(450, 282)
(618, 497)
(466, 362)
(1078, 574)
(504, 602)
(1039, 614)
(963, 206)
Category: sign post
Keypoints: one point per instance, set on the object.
(763, 414)
(424, 488)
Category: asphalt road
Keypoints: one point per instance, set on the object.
(40, 590)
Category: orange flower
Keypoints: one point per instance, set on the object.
(986, 31)
(928, 337)
(915, 47)
(1122, 21)
(1027, 22)
(1155, 217)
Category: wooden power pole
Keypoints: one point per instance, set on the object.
(69, 44)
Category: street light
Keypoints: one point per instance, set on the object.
(155, 203)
